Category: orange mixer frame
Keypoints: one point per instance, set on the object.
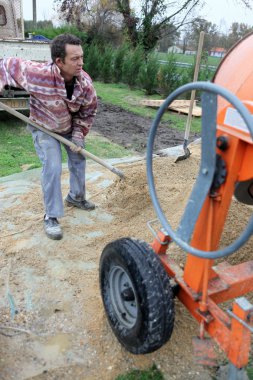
(203, 286)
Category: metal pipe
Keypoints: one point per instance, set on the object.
(34, 14)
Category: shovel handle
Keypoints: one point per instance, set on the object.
(195, 78)
(60, 138)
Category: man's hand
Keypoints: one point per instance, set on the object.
(77, 147)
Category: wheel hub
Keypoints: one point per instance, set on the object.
(123, 296)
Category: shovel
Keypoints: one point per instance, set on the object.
(60, 138)
(189, 117)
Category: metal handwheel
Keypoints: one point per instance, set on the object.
(207, 168)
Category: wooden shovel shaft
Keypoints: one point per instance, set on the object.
(195, 78)
(60, 138)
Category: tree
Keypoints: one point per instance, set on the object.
(237, 31)
(29, 25)
(211, 33)
(144, 26)
(212, 37)
(130, 20)
(156, 16)
(169, 37)
(98, 18)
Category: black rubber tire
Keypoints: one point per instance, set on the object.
(153, 320)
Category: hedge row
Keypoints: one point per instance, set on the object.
(132, 67)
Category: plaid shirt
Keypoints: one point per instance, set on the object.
(49, 105)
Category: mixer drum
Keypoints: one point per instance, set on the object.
(235, 71)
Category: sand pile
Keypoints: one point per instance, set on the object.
(130, 196)
(55, 284)
(129, 199)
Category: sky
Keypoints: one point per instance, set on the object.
(221, 12)
(44, 9)
(225, 12)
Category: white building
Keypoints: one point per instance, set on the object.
(175, 49)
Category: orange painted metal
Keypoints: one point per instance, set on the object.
(202, 286)
(239, 350)
(209, 233)
(194, 269)
(161, 242)
(215, 321)
(232, 281)
(235, 71)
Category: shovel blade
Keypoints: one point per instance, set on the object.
(186, 155)
(204, 353)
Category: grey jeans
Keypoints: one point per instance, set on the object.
(49, 152)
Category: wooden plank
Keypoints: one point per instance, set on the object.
(158, 103)
(178, 105)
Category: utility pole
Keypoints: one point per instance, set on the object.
(34, 14)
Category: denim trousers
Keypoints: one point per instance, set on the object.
(49, 152)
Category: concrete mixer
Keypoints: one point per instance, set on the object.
(136, 278)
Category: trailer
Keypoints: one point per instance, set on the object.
(14, 44)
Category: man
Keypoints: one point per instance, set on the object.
(63, 100)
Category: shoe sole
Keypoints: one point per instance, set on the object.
(54, 237)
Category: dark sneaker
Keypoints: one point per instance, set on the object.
(84, 205)
(53, 228)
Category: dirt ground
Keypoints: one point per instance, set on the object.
(131, 131)
(52, 322)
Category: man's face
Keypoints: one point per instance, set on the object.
(73, 62)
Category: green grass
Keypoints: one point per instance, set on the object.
(121, 95)
(103, 148)
(185, 58)
(17, 152)
(250, 371)
(151, 374)
(16, 148)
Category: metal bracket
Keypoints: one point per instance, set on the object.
(154, 233)
(246, 306)
(246, 325)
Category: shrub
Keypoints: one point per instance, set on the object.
(106, 63)
(148, 74)
(169, 77)
(132, 65)
(205, 74)
(92, 62)
(119, 58)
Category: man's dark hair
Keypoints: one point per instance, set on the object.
(58, 45)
